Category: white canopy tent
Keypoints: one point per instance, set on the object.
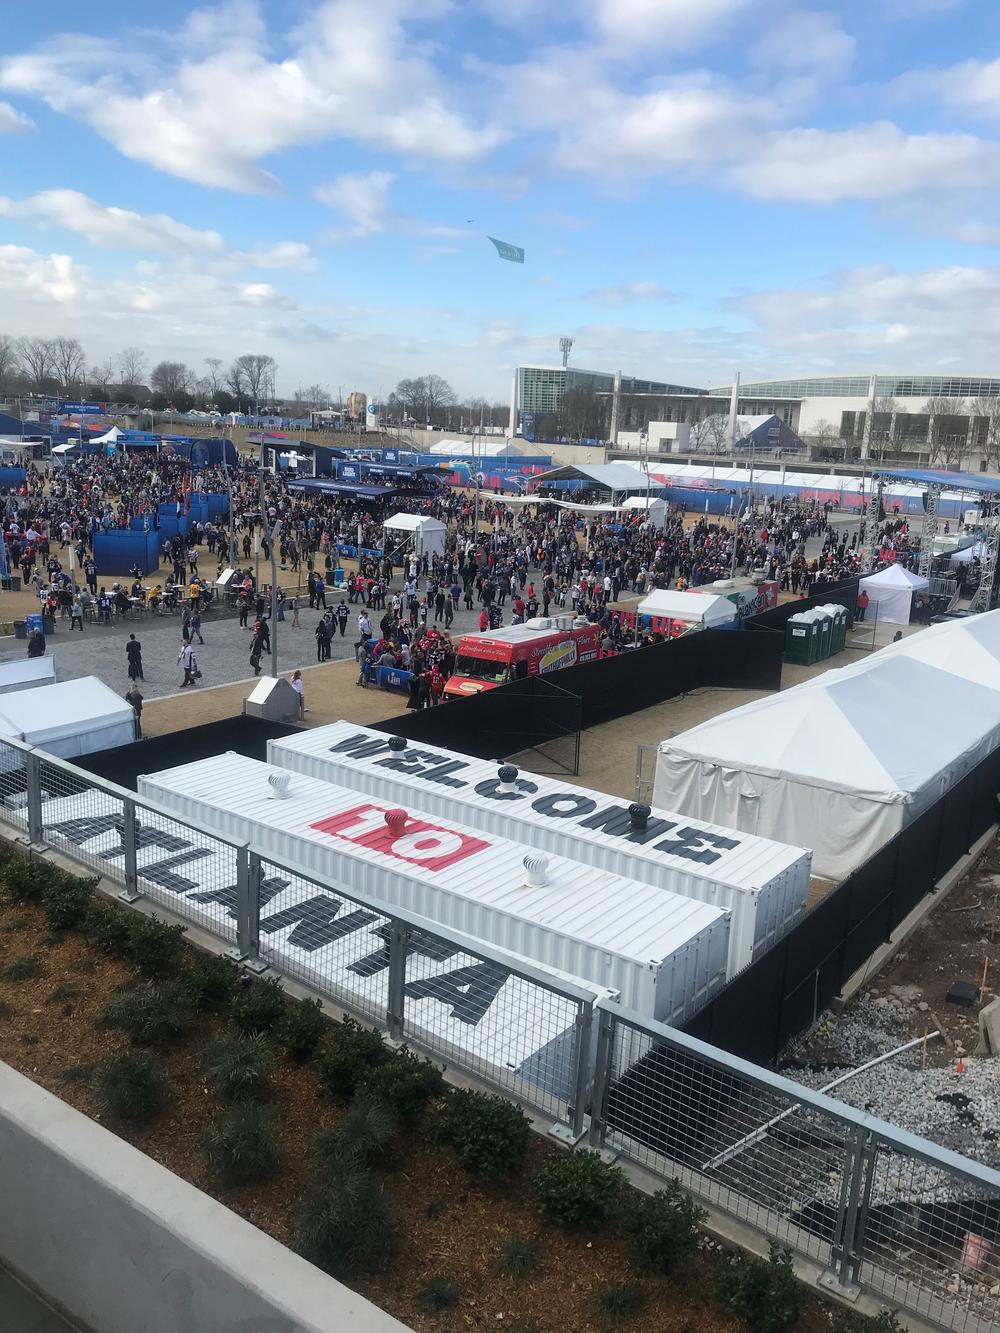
(838, 764)
(26, 673)
(427, 534)
(696, 608)
(892, 590)
(975, 552)
(71, 718)
(653, 508)
(108, 437)
(968, 648)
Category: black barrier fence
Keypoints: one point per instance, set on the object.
(841, 594)
(783, 993)
(511, 718)
(245, 735)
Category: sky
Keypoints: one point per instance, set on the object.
(700, 186)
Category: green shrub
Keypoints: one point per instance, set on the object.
(362, 1137)
(21, 969)
(154, 946)
(30, 1038)
(130, 1085)
(6, 1010)
(347, 1229)
(664, 1229)
(67, 900)
(620, 1301)
(763, 1293)
(26, 879)
(354, 1052)
(520, 1258)
(210, 979)
(489, 1134)
(78, 1073)
(108, 929)
(241, 1145)
(406, 1082)
(150, 1014)
(67, 991)
(237, 1066)
(577, 1190)
(302, 1029)
(852, 1321)
(259, 1006)
(439, 1293)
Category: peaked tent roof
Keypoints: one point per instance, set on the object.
(615, 476)
(895, 576)
(968, 648)
(855, 730)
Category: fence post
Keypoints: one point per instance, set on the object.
(844, 1252)
(579, 1076)
(33, 784)
(602, 1074)
(248, 879)
(398, 938)
(130, 852)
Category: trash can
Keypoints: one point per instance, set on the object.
(49, 623)
(12, 584)
(799, 636)
(20, 629)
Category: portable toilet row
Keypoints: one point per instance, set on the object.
(814, 635)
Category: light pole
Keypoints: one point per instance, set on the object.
(275, 534)
(260, 501)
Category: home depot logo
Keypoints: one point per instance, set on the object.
(396, 833)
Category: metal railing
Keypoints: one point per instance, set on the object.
(499, 1017)
(878, 1208)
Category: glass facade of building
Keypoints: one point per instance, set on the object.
(540, 388)
(859, 386)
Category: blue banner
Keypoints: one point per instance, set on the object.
(87, 409)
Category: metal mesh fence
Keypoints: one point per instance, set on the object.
(187, 870)
(916, 1225)
(81, 819)
(13, 786)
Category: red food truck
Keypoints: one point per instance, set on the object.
(484, 661)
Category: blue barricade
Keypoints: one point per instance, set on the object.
(393, 678)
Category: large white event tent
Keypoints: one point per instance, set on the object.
(653, 508)
(427, 534)
(70, 718)
(842, 763)
(891, 592)
(693, 608)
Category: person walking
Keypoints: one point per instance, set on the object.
(185, 659)
(133, 652)
(196, 623)
(76, 613)
(256, 649)
(300, 690)
(134, 698)
(343, 615)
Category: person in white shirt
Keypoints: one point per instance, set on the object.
(185, 659)
(300, 690)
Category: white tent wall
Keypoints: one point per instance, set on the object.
(71, 718)
(27, 674)
(428, 534)
(891, 593)
(653, 510)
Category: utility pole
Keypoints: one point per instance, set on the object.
(275, 534)
(260, 503)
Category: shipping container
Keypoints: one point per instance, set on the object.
(762, 884)
(665, 954)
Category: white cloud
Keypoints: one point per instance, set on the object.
(878, 161)
(11, 121)
(210, 102)
(810, 42)
(25, 273)
(114, 228)
(972, 86)
(363, 201)
(675, 23)
(624, 292)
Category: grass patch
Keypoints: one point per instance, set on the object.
(520, 1258)
(21, 969)
(438, 1294)
(67, 991)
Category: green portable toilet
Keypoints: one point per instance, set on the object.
(839, 614)
(800, 638)
(822, 618)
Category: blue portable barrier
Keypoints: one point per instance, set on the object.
(120, 551)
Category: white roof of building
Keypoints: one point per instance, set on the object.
(414, 523)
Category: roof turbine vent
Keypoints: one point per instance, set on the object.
(638, 816)
(536, 871)
(397, 743)
(507, 773)
(280, 784)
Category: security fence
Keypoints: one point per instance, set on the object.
(877, 1208)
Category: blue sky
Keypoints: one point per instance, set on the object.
(700, 185)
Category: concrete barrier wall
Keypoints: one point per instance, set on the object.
(119, 1243)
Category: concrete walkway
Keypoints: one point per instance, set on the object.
(22, 1312)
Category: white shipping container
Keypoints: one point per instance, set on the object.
(763, 884)
(664, 954)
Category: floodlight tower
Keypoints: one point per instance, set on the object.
(565, 346)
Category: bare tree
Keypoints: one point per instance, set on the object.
(948, 431)
(710, 435)
(132, 368)
(101, 378)
(10, 361)
(987, 409)
(171, 379)
(438, 393)
(70, 363)
(253, 375)
(37, 356)
(213, 380)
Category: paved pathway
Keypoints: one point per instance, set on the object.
(21, 1312)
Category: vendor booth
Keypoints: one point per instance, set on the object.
(891, 592)
(71, 718)
(653, 510)
(424, 536)
(676, 613)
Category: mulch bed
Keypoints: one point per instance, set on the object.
(448, 1224)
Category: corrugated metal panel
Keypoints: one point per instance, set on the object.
(663, 953)
(763, 884)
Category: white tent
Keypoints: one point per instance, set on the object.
(427, 534)
(109, 437)
(654, 509)
(72, 718)
(26, 673)
(969, 648)
(891, 592)
(838, 764)
(976, 552)
(695, 608)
